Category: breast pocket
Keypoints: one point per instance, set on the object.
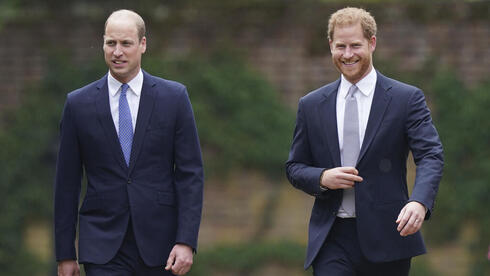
(390, 122)
(159, 129)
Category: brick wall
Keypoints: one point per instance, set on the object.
(281, 50)
(292, 53)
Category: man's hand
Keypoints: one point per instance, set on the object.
(410, 218)
(68, 268)
(340, 178)
(180, 259)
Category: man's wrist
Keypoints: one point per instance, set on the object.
(323, 188)
(425, 207)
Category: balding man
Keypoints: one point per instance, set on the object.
(134, 137)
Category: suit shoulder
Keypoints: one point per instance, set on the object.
(169, 85)
(398, 86)
(317, 94)
(86, 91)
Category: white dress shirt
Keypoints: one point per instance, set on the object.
(132, 95)
(364, 101)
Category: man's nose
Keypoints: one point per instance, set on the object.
(118, 51)
(348, 52)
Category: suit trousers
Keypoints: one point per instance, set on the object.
(127, 262)
(341, 255)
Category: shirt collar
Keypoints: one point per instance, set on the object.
(366, 85)
(135, 84)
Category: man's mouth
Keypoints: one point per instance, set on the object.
(350, 62)
(118, 62)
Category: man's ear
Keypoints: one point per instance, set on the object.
(372, 43)
(143, 44)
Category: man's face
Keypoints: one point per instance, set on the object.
(122, 49)
(352, 53)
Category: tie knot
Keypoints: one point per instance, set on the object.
(352, 91)
(124, 88)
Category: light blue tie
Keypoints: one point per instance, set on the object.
(125, 124)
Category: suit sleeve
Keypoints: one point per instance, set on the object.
(299, 168)
(67, 187)
(189, 176)
(427, 151)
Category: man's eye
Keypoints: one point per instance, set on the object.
(110, 43)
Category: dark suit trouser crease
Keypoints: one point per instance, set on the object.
(127, 262)
(341, 255)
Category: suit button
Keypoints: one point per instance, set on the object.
(334, 213)
(129, 181)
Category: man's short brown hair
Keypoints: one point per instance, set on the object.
(348, 16)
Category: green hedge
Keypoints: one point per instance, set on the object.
(461, 116)
(248, 258)
(28, 151)
(241, 122)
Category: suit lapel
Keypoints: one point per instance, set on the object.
(147, 102)
(381, 99)
(327, 112)
(105, 118)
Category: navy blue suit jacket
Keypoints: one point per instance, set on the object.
(161, 190)
(399, 122)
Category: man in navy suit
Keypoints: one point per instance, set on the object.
(134, 137)
(349, 151)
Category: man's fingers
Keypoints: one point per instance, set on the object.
(349, 170)
(403, 219)
(340, 178)
(347, 183)
(176, 267)
(418, 224)
(351, 173)
(68, 268)
(170, 260)
(180, 259)
(181, 266)
(350, 177)
(355, 178)
(411, 218)
(410, 227)
(402, 212)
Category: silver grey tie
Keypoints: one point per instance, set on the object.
(351, 148)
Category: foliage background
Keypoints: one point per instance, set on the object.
(229, 97)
